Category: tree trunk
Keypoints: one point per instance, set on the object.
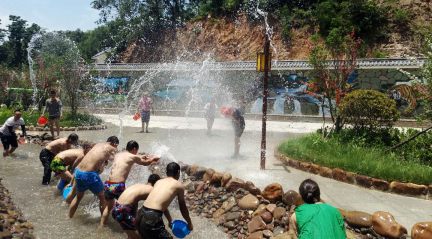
(408, 140)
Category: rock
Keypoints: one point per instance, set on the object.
(225, 179)
(248, 202)
(422, 230)
(193, 169)
(183, 166)
(380, 184)
(216, 179)
(31, 128)
(228, 205)
(267, 233)
(339, 174)
(267, 217)
(273, 192)
(231, 216)
(199, 173)
(385, 225)
(314, 168)
(349, 234)
(303, 166)
(256, 235)
(256, 224)
(325, 172)
(271, 207)
(250, 187)
(270, 227)
(234, 184)
(364, 181)
(292, 198)
(279, 212)
(230, 225)
(350, 177)
(208, 175)
(5, 234)
(278, 231)
(218, 213)
(408, 188)
(261, 208)
(287, 235)
(27, 225)
(358, 219)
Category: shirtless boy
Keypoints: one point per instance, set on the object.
(149, 222)
(114, 186)
(51, 150)
(87, 173)
(69, 158)
(126, 207)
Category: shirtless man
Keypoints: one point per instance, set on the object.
(149, 221)
(87, 173)
(126, 207)
(69, 158)
(51, 150)
(114, 186)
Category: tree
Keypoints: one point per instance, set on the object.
(331, 76)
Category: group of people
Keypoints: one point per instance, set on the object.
(81, 168)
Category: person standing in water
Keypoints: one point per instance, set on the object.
(149, 222)
(114, 186)
(145, 104)
(239, 126)
(9, 138)
(55, 111)
(210, 113)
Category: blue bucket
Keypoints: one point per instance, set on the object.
(66, 191)
(180, 228)
(61, 185)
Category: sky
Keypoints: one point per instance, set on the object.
(51, 14)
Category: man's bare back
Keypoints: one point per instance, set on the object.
(164, 191)
(134, 194)
(123, 163)
(58, 146)
(68, 157)
(95, 159)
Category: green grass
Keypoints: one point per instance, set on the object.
(81, 119)
(372, 162)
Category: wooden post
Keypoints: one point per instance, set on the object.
(264, 108)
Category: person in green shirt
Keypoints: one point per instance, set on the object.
(315, 219)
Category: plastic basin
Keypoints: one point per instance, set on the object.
(137, 116)
(61, 185)
(179, 229)
(227, 111)
(66, 191)
(42, 120)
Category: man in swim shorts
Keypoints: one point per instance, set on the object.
(51, 150)
(149, 222)
(65, 162)
(115, 184)
(126, 207)
(87, 173)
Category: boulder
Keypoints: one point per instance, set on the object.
(183, 166)
(267, 216)
(380, 184)
(303, 166)
(216, 179)
(273, 192)
(314, 168)
(325, 172)
(256, 235)
(408, 188)
(339, 174)
(279, 212)
(364, 181)
(193, 169)
(234, 184)
(261, 208)
(225, 179)
(250, 187)
(292, 198)
(208, 175)
(199, 173)
(385, 225)
(358, 219)
(422, 230)
(256, 224)
(248, 202)
(271, 207)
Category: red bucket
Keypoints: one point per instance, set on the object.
(42, 120)
(227, 111)
(137, 116)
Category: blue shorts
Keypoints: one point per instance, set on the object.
(88, 181)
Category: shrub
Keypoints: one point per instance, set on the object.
(402, 16)
(380, 54)
(368, 110)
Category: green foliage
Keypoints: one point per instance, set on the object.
(353, 157)
(31, 118)
(402, 16)
(367, 110)
(380, 54)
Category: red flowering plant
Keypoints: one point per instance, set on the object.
(333, 65)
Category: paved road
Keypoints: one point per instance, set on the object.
(185, 140)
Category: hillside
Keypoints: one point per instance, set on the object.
(237, 39)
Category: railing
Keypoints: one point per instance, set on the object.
(388, 63)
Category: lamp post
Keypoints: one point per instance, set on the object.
(264, 64)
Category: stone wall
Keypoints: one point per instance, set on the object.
(244, 211)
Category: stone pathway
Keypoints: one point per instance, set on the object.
(185, 140)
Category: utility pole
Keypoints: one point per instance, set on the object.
(267, 62)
